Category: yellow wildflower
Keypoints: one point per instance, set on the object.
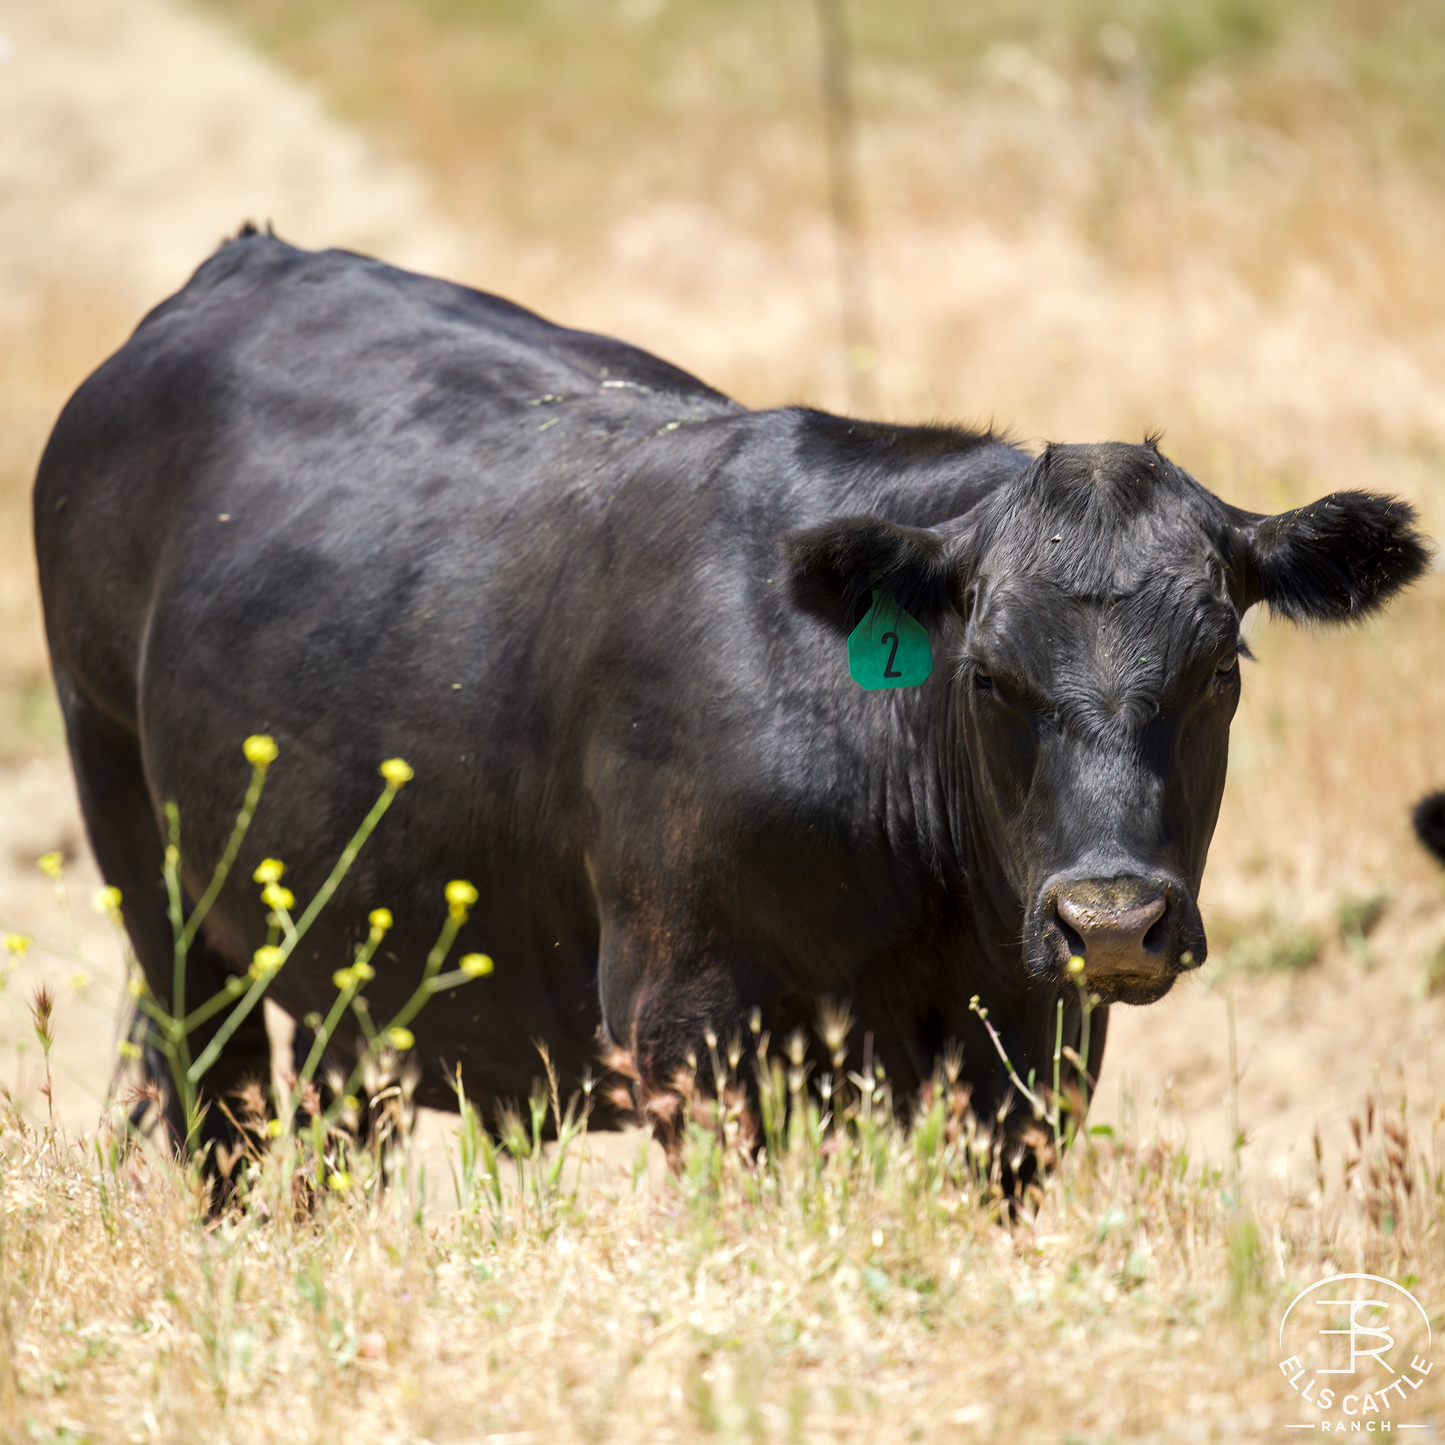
(274, 1128)
(1076, 966)
(340, 1181)
(52, 865)
(269, 870)
(476, 965)
(364, 971)
(344, 979)
(396, 772)
(380, 921)
(273, 895)
(460, 896)
(260, 750)
(136, 986)
(351, 1102)
(17, 944)
(400, 1039)
(106, 900)
(78, 982)
(265, 960)
(460, 891)
(128, 1050)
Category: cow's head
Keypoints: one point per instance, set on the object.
(1086, 619)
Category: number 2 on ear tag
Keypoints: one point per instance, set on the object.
(888, 648)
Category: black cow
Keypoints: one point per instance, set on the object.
(604, 612)
(1429, 820)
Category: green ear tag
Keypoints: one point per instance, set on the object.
(888, 648)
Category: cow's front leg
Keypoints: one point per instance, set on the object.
(671, 994)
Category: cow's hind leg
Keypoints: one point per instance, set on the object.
(126, 837)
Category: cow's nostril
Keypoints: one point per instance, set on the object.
(1073, 939)
(1157, 935)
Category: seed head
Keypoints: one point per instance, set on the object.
(835, 1020)
(476, 965)
(260, 750)
(42, 1006)
(396, 773)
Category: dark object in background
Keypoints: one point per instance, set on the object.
(1429, 820)
(604, 612)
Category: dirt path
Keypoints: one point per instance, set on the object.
(134, 135)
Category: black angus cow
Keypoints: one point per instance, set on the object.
(1429, 820)
(604, 612)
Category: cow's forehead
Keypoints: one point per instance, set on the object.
(1169, 618)
(1107, 552)
(1103, 522)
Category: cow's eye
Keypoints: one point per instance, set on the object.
(1227, 666)
(983, 679)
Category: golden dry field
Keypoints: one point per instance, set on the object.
(1220, 219)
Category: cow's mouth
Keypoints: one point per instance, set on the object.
(1134, 934)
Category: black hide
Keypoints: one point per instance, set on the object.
(601, 610)
(1429, 820)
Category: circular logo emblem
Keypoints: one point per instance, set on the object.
(1356, 1351)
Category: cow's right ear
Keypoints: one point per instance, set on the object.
(833, 569)
(1336, 560)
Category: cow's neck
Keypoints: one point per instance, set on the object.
(943, 835)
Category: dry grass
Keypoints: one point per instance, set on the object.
(873, 1291)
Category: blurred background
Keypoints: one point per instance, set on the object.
(1075, 219)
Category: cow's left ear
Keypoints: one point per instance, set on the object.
(1336, 560)
(833, 569)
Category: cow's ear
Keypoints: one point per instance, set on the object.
(1336, 560)
(833, 569)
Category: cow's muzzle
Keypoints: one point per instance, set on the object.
(1134, 934)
